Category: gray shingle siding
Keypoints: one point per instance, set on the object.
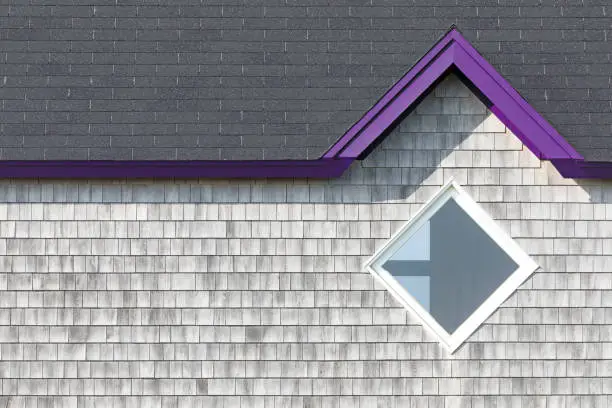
(271, 78)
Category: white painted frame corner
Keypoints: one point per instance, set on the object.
(526, 265)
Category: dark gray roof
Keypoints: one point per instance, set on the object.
(271, 79)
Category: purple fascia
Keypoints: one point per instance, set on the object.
(454, 53)
(451, 53)
(211, 169)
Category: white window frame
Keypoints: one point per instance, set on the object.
(526, 266)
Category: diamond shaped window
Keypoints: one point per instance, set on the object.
(452, 265)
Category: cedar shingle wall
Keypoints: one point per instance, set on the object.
(253, 294)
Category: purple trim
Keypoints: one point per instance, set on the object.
(321, 168)
(453, 51)
(385, 117)
(531, 128)
(388, 96)
(580, 169)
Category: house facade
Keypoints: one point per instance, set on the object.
(186, 222)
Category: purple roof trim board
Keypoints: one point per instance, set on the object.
(74, 169)
(452, 52)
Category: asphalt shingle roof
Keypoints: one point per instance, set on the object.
(271, 79)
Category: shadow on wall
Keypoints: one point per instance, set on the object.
(451, 133)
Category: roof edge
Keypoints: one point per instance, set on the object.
(222, 169)
(390, 95)
(583, 169)
(453, 51)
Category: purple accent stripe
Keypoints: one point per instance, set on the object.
(321, 168)
(395, 108)
(524, 127)
(388, 97)
(507, 104)
(580, 169)
(533, 126)
(452, 50)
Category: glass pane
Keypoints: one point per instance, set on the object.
(450, 266)
(416, 248)
(418, 287)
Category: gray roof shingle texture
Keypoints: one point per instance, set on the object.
(271, 79)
